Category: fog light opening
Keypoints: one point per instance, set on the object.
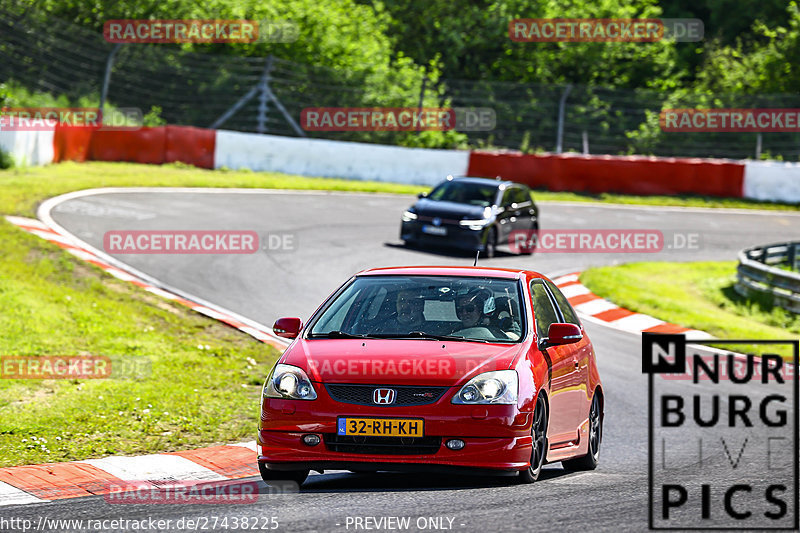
(311, 440)
(455, 444)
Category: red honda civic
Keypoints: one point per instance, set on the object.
(461, 369)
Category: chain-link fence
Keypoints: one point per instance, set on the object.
(267, 94)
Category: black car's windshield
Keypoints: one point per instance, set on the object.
(424, 307)
(465, 193)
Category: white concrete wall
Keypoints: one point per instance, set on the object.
(772, 181)
(28, 147)
(337, 159)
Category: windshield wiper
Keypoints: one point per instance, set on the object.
(336, 334)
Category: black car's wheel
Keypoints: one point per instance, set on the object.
(589, 461)
(533, 239)
(539, 435)
(490, 249)
(277, 476)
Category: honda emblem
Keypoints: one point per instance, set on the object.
(384, 396)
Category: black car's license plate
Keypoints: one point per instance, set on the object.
(434, 230)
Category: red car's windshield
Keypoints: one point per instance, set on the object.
(468, 308)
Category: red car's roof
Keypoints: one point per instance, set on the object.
(507, 273)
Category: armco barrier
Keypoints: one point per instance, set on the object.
(757, 273)
(759, 180)
(164, 144)
(621, 174)
(337, 159)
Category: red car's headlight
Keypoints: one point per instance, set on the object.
(496, 387)
(289, 382)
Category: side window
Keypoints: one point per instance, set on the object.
(543, 310)
(566, 309)
(521, 196)
(508, 197)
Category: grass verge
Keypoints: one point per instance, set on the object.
(695, 295)
(199, 381)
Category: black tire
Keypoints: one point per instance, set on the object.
(539, 434)
(272, 477)
(535, 230)
(590, 460)
(490, 248)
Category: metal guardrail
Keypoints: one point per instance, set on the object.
(756, 273)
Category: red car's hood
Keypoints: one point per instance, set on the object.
(398, 362)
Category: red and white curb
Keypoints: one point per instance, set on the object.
(81, 251)
(56, 481)
(596, 309)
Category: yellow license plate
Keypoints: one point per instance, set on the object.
(381, 427)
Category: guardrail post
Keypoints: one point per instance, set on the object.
(107, 76)
(561, 105)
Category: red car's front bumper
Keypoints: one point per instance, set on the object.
(497, 437)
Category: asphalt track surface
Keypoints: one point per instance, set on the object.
(338, 234)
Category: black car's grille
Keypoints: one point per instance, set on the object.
(383, 445)
(406, 395)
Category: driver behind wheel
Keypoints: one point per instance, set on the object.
(478, 309)
(474, 307)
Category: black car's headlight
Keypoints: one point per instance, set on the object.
(289, 382)
(409, 215)
(496, 387)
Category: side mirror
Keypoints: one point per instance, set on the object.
(288, 327)
(422, 195)
(563, 334)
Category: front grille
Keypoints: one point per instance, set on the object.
(382, 445)
(406, 395)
